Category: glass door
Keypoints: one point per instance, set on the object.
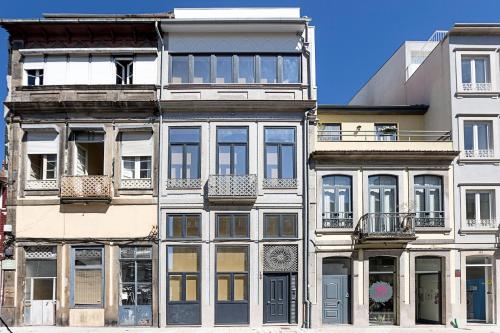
(382, 291)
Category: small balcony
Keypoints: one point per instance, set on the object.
(477, 87)
(241, 188)
(479, 153)
(481, 225)
(429, 219)
(337, 221)
(387, 227)
(86, 188)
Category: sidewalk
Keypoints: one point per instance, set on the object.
(340, 329)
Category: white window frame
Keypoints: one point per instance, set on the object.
(137, 167)
(44, 167)
(477, 190)
(474, 87)
(127, 78)
(476, 154)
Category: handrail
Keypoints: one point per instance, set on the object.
(397, 135)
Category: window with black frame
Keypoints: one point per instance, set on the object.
(280, 153)
(184, 154)
(280, 226)
(183, 285)
(184, 226)
(232, 226)
(232, 285)
(429, 210)
(232, 151)
(337, 202)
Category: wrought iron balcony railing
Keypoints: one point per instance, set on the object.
(429, 219)
(86, 188)
(481, 224)
(479, 153)
(387, 227)
(333, 220)
(232, 187)
(477, 87)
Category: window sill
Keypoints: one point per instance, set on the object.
(440, 230)
(472, 160)
(41, 192)
(491, 94)
(465, 231)
(331, 231)
(88, 87)
(280, 239)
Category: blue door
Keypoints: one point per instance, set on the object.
(476, 299)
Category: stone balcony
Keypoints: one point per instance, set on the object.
(86, 188)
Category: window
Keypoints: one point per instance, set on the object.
(429, 201)
(337, 203)
(42, 167)
(183, 273)
(184, 153)
(124, 70)
(88, 277)
(232, 274)
(232, 150)
(280, 225)
(138, 167)
(386, 132)
(41, 162)
(136, 276)
(35, 77)
(480, 209)
(232, 226)
(478, 139)
(184, 226)
(136, 148)
(330, 132)
(235, 68)
(280, 153)
(476, 73)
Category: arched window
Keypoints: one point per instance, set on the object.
(429, 201)
(337, 201)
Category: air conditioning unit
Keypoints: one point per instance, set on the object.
(7, 228)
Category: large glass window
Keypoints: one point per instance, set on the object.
(232, 274)
(382, 290)
(88, 277)
(280, 225)
(478, 139)
(224, 72)
(480, 209)
(291, 69)
(42, 166)
(201, 69)
(136, 276)
(232, 150)
(480, 289)
(183, 226)
(246, 69)
(337, 204)
(429, 201)
(280, 153)
(179, 69)
(184, 153)
(476, 73)
(268, 69)
(232, 226)
(183, 274)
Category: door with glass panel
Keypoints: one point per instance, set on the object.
(382, 291)
(382, 204)
(232, 286)
(135, 286)
(428, 290)
(183, 285)
(337, 206)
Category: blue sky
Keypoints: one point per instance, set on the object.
(353, 38)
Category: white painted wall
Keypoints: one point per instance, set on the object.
(236, 13)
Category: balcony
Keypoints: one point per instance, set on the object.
(232, 188)
(41, 184)
(477, 87)
(337, 221)
(85, 188)
(429, 219)
(481, 225)
(479, 153)
(387, 227)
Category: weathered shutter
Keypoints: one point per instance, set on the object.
(137, 143)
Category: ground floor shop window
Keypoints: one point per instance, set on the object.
(87, 277)
(480, 289)
(382, 290)
(428, 290)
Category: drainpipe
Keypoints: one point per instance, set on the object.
(160, 173)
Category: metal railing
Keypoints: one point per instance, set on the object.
(86, 188)
(477, 86)
(396, 135)
(479, 224)
(335, 220)
(232, 187)
(387, 226)
(433, 219)
(479, 153)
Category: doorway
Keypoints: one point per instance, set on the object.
(428, 291)
(276, 298)
(336, 290)
(480, 290)
(382, 291)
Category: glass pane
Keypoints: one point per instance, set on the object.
(175, 162)
(223, 287)
(483, 135)
(344, 198)
(272, 161)
(224, 226)
(43, 289)
(271, 225)
(232, 259)
(36, 166)
(268, 69)
(143, 252)
(287, 162)
(224, 160)
(289, 225)
(484, 206)
(241, 226)
(478, 260)
(466, 70)
(419, 200)
(428, 264)
(180, 69)
(41, 268)
(482, 70)
(128, 271)
(184, 135)
(374, 201)
(468, 136)
(336, 266)
(192, 162)
(280, 135)
(88, 257)
(51, 166)
(291, 69)
(175, 288)
(240, 288)
(193, 226)
(470, 205)
(246, 68)
(128, 171)
(434, 200)
(145, 167)
(144, 294)
(232, 135)
(88, 287)
(174, 226)
(182, 259)
(127, 296)
(240, 160)
(144, 271)
(191, 287)
(329, 200)
(201, 69)
(127, 252)
(224, 69)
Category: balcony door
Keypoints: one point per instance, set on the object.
(382, 203)
(88, 153)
